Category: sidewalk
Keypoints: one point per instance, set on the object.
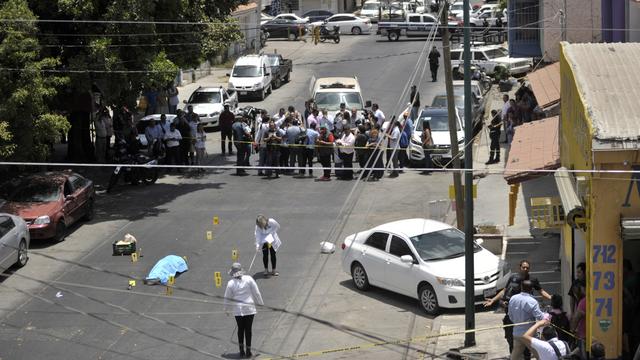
(491, 209)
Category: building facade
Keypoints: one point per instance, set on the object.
(599, 147)
(536, 27)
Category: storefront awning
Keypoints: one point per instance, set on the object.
(534, 147)
(571, 203)
(545, 84)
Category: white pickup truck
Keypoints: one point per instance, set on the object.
(208, 103)
(489, 56)
(415, 25)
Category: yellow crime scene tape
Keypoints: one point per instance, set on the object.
(391, 342)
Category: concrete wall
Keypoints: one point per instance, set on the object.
(633, 21)
(582, 16)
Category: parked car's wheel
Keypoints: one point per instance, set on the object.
(359, 276)
(269, 89)
(356, 30)
(150, 176)
(61, 232)
(90, 210)
(428, 299)
(287, 77)
(263, 94)
(277, 83)
(293, 37)
(23, 254)
(393, 36)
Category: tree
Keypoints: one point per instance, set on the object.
(27, 126)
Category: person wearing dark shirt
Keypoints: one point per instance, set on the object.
(494, 135)
(434, 63)
(512, 288)
(414, 98)
(226, 132)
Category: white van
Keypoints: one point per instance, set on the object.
(328, 93)
(251, 76)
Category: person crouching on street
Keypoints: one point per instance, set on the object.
(267, 239)
(241, 295)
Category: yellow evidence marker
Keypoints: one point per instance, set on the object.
(132, 283)
(216, 220)
(134, 257)
(209, 235)
(218, 277)
(170, 282)
(234, 255)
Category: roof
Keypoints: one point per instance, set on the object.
(608, 82)
(535, 146)
(412, 227)
(545, 83)
(331, 84)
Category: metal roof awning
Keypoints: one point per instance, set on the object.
(545, 84)
(571, 203)
(535, 146)
(630, 228)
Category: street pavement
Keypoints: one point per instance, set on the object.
(71, 301)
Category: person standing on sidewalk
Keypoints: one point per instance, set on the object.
(172, 94)
(550, 347)
(101, 135)
(241, 295)
(434, 63)
(226, 131)
(523, 307)
(414, 99)
(268, 240)
(494, 135)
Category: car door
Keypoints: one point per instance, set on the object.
(414, 25)
(428, 23)
(8, 242)
(403, 277)
(372, 256)
(70, 205)
(80, 193)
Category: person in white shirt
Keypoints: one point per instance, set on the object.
(261, 130)
(551, 348)
(378, 114)
(268, 240)
(505, 107)
(241, 295)
(172, 139)
(280, 117)
(392, 153)
(345, 150)
(201, 137)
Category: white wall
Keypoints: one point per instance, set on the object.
(634, 21)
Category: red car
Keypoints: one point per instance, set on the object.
(50, 202)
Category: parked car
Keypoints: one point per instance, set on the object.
(409, 7)
(328, 93)
(142, 124)
(208, 102)
(51, 202)
(439, 122)
(491, 16)
(348, 23)
(477, 105)
(283, 28)
(420, 258)
(251, 75)
(489, 56)
(14, 241)
(414, 25)
(457, 9)
(317, 15)
(280, 69)
(292, 17)
(371, 10)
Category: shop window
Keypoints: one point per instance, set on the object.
(546, 212)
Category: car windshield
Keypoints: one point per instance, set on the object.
(496, 53)
(246, 71)
(272, 60)
(437, 122)
(36, 191)
(456, 7)
(441, 101)
(205, 97)
(370, 6)
(332, 100)
(440, 245)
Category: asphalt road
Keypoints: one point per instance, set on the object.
(71, 301)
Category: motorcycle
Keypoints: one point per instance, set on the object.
(482, 78)
(325, 34)
(251, 113)
(133, 175)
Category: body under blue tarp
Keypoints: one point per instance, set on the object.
(167, 266)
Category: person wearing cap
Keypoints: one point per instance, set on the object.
(241, 295)
(345, 151)
(268, 240)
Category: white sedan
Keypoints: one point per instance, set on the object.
(292, 17)
(348, 23)
(423, 259)
(14, 241)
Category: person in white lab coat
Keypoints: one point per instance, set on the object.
(241, 295)
(267, 239)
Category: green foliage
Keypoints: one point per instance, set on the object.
(218, 35)
(27, 127)
(502, 4)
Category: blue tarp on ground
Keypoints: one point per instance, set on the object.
(168, 265)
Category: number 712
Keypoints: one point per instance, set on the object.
(606, 252)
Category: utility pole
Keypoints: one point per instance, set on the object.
(453, 126)
(469, 289)
(451, 107)
(563, 20)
